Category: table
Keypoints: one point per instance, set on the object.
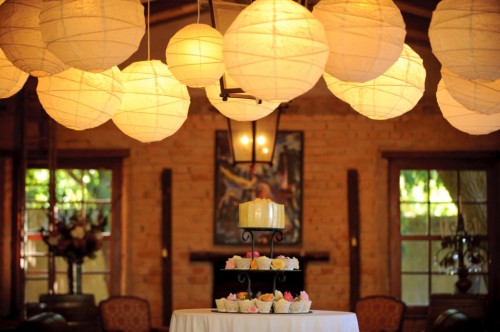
(208, 320)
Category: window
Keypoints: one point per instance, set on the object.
(427, 196)
(82, 189)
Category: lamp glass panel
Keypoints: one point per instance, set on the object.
(241, 140)
(265, 137)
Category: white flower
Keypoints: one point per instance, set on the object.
(78, 232)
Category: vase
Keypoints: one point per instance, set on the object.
(74, 277)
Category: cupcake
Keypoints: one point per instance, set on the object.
(263, 263)
(253, 309)
(221, 304)
(281, 306)
(244, 305)
(289, 264)
(243, 263)
(306, 302)
(295, 264)
(231, 262)
(278, 264)
(231, 303)
(265, 302)
(296, 306)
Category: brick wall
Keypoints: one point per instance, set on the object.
(335, 140)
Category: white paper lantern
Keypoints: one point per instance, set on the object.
(458, 116)
(391, 94)
(21, 39)
(194, 55)
(365, 37)
(154, 105)
(475, 95)
(465, 37)
(79, 99)
(12, 78)
(92, 35)
(275, 50)
(239, 109)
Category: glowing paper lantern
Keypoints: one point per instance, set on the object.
(458, 116)
(79, 99)
(476, 95)
(12, 78)
(194, 55)
(21, 39)
(239, 109)
(365, 37)
(154, 105)
(275, 50)
(92, 35)
(465, 37)
(392, 94)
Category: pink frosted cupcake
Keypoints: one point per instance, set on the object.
(282, 306)
(231, 303)
(306, 302)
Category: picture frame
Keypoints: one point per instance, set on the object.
(238, 183)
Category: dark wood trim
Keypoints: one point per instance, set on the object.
(116, 229)
(354, 230)
(211, 256)
(166, 243)
(442, 155)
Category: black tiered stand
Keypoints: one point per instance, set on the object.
(244, 275)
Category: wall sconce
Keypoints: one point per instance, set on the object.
(461, 254)
(254, 141)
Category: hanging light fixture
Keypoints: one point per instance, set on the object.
(254, 141)
(21, 39)
(391, 94)
(79, 99)
(275, 50)
(475, 95)
(12, 78)
(461, 118)
(92, 35)
(194, 55)
(365, 37)
(464, 36)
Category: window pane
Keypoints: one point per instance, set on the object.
(441, 214)
(36, 219)
(96, 284)
(475, 218)
(473, 186)
(98, 184)
(443, 186)
(443, 284)
(415, 289)
(414, 256)
(414, 218)
(413, 186)
(479, 284)
(33, 289)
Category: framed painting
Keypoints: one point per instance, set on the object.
(281, 182)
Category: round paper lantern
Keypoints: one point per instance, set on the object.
(365, 37)
(21, 39)
(275, 50)
(458, 116)
(391, 94)
(239, 109)
(476, 95)
(92, 35)
(155, 104)
(194, 55)
(79, 99)
(12, 78)
(465, 37)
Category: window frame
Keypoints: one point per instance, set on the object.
(487, 161)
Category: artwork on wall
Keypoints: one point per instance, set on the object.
(281, 182)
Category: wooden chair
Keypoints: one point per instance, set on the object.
(380, 313)
(126, 314)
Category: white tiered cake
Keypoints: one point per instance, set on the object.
(262, 213)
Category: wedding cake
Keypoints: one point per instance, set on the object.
(262, 213)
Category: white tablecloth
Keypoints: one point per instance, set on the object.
(207, 320)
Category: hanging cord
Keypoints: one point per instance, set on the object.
(147, 28)
(198, 20)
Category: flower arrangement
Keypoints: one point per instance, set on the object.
(74, 238)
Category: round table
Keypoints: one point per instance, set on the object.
(209, 320)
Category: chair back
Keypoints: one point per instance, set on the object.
(125, 314)
(380, 313)
(44, 322)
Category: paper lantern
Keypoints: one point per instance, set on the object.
(239, 109)
(154, 105)
(365, 37)
(465, 37)
(79, 99)
(391, 94)
(194, 55)
(275, 50)
(458, 116)
(92, 35)
(12, 78)
(475, 95)
(21, 39)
